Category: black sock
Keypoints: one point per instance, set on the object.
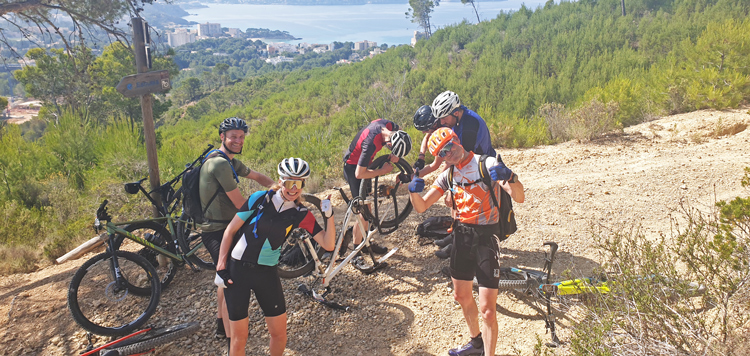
(477, 341)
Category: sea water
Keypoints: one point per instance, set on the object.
(382, 23)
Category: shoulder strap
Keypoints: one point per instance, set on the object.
(450, 177)
(212, 154)
(487, 180)
(223, 155)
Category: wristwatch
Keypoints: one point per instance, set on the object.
(512, 178)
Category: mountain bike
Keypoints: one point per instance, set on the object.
(117, 291)
(167, 242)
(383, 207)
(141, 341)
(537, 283)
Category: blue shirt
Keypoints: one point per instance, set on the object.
(474, 134)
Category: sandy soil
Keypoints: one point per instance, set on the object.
(634, 178)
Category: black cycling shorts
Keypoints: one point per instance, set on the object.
(263, 281)
(212, 242)
(351, 178)
(481, 259)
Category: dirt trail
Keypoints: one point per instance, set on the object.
(636, 177)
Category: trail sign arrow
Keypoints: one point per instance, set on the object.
(144, 83)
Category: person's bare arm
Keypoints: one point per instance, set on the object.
(226, 242)
(327, 237)
(236, 197)
(422, 203)
(432, 167)
(515, 190)
(363, 172)
(261, 178)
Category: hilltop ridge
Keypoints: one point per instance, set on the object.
(633, 178)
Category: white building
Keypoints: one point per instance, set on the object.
(234, 32)
(417, 36)
(180, 37)
(362, 45)
(280, 47)
(279, 59)
(209, 29)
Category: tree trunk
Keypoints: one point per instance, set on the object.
(622, 2)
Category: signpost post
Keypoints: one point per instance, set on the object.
(143, 84)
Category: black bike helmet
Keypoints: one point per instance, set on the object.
(232, 123)
(400, 143)
(423, 118)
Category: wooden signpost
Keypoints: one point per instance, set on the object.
(144, 83)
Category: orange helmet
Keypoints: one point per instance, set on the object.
(439, 139)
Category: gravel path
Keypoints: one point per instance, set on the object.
(636, 178)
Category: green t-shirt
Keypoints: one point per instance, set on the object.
(216, 173)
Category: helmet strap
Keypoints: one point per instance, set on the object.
(227, 148)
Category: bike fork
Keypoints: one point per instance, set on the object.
(549, 319)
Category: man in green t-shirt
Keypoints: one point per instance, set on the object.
(218, 174)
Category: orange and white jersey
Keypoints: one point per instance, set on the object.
(472, 197)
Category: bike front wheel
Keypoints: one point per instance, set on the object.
(157, 234)
(190, 239)
(511, 279)
(296, 259)
(103, 305)
(387, 197)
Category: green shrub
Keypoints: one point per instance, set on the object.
(653, 308)
(590, 120)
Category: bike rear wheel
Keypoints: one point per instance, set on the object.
(190, 238)
(296, 259)
(388, 202)
(153, 338)
(157, 234)
(101, 305)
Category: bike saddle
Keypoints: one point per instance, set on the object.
(132, 188)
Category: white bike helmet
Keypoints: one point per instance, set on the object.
(445, 103)
(400, 144)
(293, 168)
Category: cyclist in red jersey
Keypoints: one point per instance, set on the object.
(361, 152)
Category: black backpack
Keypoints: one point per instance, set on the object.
(191, 200)
(507, 225)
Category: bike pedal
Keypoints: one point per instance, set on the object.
(374, 268)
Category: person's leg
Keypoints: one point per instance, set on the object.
(212, 242)
(277, 330)
(463, 294)
(238, 329)
(222, 310)
(354, 184)
(487, 306)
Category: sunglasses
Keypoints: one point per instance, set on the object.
(289, 184)
(445, 150)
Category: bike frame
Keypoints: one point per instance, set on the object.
(326, 272)
(114, 228)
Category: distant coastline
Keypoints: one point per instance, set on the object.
(196, 4)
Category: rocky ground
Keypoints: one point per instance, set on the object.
(636, 178)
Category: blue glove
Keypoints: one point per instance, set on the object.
(416, 185)
(500, 172)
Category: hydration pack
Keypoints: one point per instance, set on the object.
(507, 225)
(191, 199)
